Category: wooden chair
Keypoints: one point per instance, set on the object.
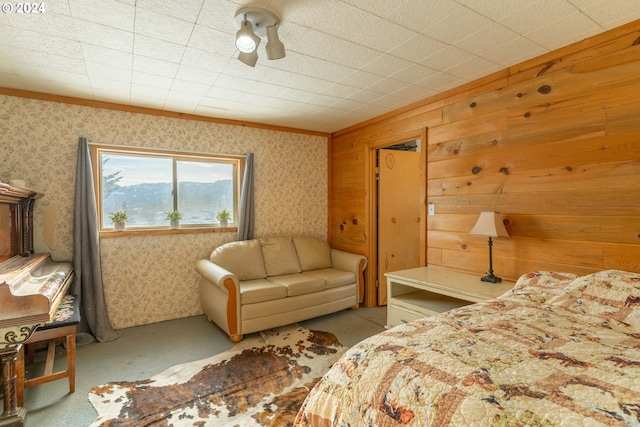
(62, 329)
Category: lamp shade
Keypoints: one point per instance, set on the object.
(246, 40)
(489, 224)
(249, 58)
(274, 47)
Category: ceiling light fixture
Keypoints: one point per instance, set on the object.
(253, 23)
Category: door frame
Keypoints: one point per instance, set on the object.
(371, 217)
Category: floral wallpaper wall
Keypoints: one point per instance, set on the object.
(149, 279)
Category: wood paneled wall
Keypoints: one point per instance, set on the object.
(552, 143)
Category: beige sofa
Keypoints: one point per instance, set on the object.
(253, 285)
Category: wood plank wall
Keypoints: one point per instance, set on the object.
(552, 143)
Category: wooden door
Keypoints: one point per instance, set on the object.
(399, 211)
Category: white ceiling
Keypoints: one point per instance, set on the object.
(347, 60)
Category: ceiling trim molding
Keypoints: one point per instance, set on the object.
(151, 111)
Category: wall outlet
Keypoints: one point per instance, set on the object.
(432, 209)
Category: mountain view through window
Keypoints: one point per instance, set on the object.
(148, 186)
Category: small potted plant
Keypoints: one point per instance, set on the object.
(118, 218)
(174, 218)
(224, 216)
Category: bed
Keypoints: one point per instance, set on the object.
(556, 350)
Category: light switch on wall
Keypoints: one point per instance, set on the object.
(432, 209)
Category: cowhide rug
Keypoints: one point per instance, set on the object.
(261, 381)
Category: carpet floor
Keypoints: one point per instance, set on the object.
(144, 351)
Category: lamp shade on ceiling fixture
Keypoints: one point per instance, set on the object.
(246, 40)
(274, 47)
(254, 23)
(249, 58)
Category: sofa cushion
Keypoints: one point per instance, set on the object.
(242, 258)
(279, 256)
(261, 290)
(313, 253)
(299, 283)
(333, 278)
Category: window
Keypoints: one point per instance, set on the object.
(148, 183)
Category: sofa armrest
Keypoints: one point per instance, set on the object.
(216, 275)
(347, 261)
(341, 260)
(220, 297)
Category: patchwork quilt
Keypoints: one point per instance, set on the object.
(557, 350)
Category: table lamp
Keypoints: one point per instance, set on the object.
(490, 224)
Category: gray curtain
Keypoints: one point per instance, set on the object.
(87, 285)
(246, 218)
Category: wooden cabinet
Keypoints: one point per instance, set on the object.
(16, 221)
(427, 291)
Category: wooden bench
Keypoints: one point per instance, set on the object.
(61, 329)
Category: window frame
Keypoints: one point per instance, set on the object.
(237, 161)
